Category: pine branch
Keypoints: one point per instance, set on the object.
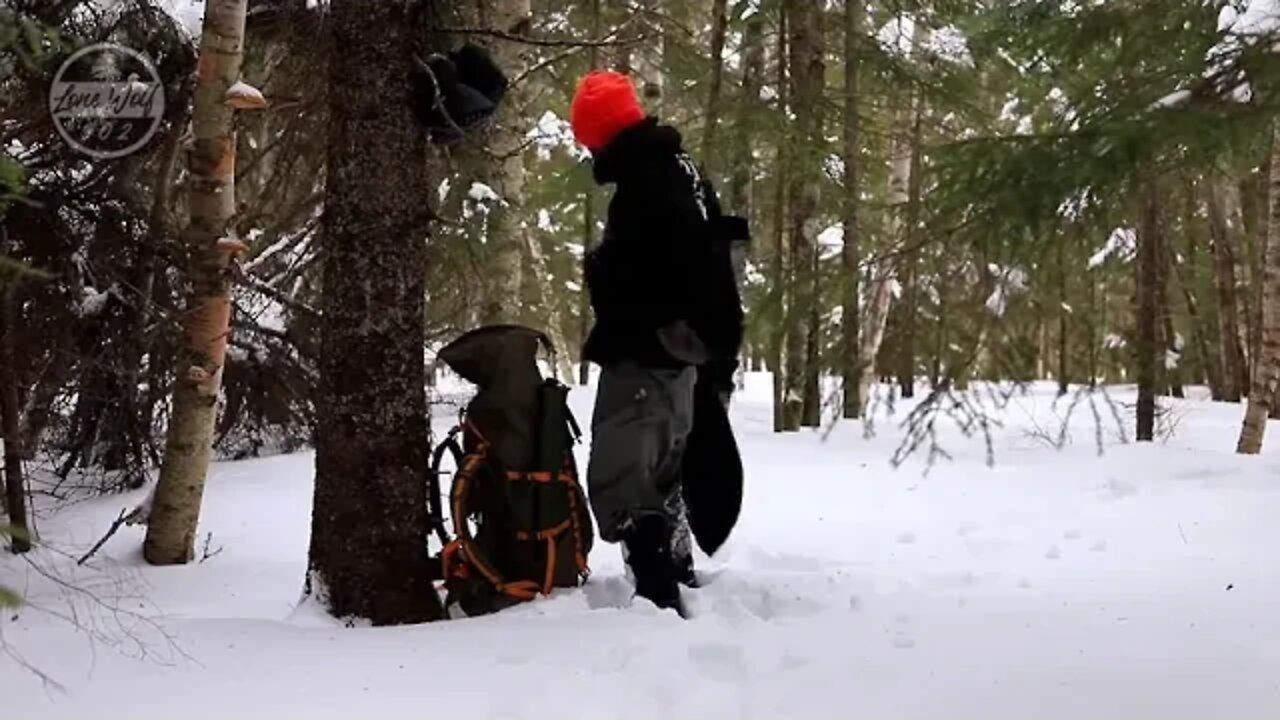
(544, 42)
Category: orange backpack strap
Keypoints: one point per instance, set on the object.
(466, 545)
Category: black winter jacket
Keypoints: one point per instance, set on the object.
(662, 268)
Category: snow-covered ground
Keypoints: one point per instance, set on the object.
(1142, 583)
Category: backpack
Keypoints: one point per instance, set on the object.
(521, 523)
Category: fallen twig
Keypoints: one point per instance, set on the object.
(115, 525)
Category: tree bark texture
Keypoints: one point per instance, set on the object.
(876, 314)
(175, 512)
(589, 220)
(369, 525)
(910, 261)
(1187, 275)
(15, 482)
(719, 30)
(505, 172)
(741, 186)
(1266, 380)
(850, 253)
(806, 66)
(1234, 376)
(1064, 367)
(1147, 307)
(781, 290)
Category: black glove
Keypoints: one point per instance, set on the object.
(467, 83)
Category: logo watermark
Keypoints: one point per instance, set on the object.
(107, 100)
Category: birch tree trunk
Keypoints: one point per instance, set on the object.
(369, 527)
(876, 313)
(175, 510)
(806, 65)
(1247, 271)
(1266, 380)
(851, 252)
(505, 173)
(1234, 375)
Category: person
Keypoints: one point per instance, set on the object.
(650, 286)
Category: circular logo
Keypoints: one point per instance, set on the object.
(106, 100)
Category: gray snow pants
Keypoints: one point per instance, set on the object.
(639, 426)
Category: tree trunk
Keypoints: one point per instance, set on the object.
(779, 285)
(876, 314)
(1147, 307)
(1224, 277)
(910, 262)
(548, 298)
(1092, 325)
(15, 483)
(505, 173)
(1172, 357)
(1247, 271)
(719, 29)
(175, 511)
(850, 254)
(1041, 369)
(1266, 380)
(1187, 275)
(369, 527)
(647, 57)
(741, 187)
(1064, 368)
(584, 296)
(806, 65)
(588, 227)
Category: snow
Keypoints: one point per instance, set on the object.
(1260, 17)
(1121, 243)
(1173, 99)
(243, 95)
(93, 302)
(482, 193)
(1057, 584)
(188, 13)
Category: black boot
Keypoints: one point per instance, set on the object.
(684, 570)
(649, 555)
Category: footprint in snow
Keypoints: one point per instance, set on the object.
(719, 661)
(610, 592)
(1099, 546)
(906, 538)
(1072, 535)
(1053, 553)
(1119, 489)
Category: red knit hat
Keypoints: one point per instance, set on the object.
(604, 105)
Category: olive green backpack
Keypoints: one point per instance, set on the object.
(521, 526)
